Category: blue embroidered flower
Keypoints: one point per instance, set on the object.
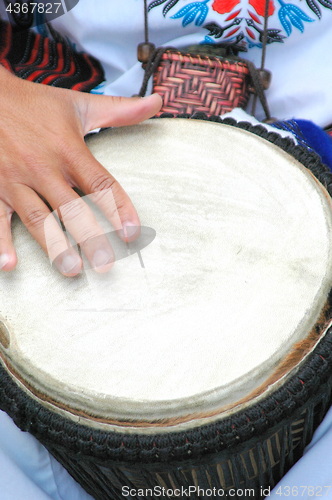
(196, 11)
(290, 14)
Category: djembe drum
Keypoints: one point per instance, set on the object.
(202, 362)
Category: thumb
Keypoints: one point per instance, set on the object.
(109, 111)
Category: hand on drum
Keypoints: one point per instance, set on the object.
(44, 157)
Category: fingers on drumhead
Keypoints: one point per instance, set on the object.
(8, 258)
(44, 228)
(108, 195)
(73, 227)
(81, 223)
(75, 234)
(60, 232)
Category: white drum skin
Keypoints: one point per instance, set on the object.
(237, 274)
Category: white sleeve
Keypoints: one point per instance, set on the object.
(29, 472)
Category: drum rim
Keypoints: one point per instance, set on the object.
(279, 408)
(305, 155)
(55, 429)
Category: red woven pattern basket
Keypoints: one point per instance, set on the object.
(189, 83)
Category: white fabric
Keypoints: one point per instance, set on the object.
(28, 471)
(302, 75)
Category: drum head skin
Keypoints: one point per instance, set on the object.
(234, 271)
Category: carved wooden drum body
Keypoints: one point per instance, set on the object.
(203, 359)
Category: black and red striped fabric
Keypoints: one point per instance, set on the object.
(36, 58)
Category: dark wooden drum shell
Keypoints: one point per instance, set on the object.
(252, 450)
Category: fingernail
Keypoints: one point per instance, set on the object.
(69, 264)
(4, 259)
(129, 230)
(102, 258)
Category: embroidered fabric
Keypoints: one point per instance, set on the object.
(111, 32)
(39, 59)
(296, 90)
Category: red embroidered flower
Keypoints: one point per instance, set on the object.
(259, 6)
(223, 6)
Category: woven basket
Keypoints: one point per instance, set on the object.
(191, 83)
